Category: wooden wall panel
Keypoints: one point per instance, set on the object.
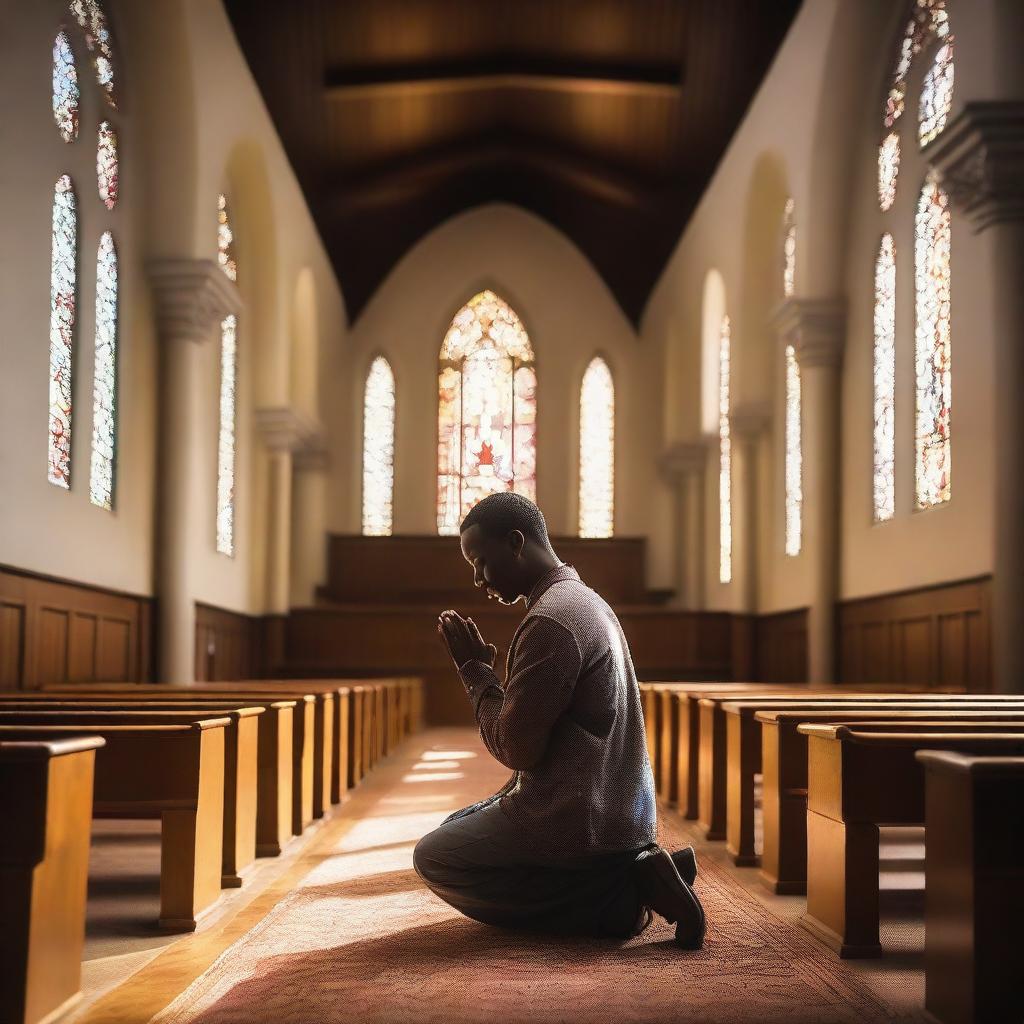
(939, 637)
(228, 645)
(57, 631)
(780, 647)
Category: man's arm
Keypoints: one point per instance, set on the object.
(515, 723)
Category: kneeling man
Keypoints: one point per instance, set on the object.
(567, 845)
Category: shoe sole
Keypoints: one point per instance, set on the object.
(664, 898)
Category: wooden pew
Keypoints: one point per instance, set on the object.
(171, 772)
(974, 896)
(240, 758)
(303, 726)
(784, 776)
(859, 779)
(744, 750)
(712, 806)
(278, 786)
(46, 798)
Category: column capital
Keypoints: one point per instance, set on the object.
(816, 328)
(682, 458)
(749, 421)
(190, 297)
(283, 429)
(980, 157)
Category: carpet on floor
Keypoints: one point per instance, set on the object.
(361, 939)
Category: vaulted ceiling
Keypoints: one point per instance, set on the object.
(605, 117)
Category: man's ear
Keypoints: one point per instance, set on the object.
(516, 541)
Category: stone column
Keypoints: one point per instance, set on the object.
(816, 329)
(283, 432)
(309, 523)
(748, 424)
(980, 156)
(682, 467)
(190, 298)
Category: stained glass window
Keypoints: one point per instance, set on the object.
(724, 458)
(934, 379)
(597, 451)
(378, 449)
(104, 393)
(225, 240)
(228, 372)
(936, 94)
(107, 164)
(928, 19)
(90, 16)
(63, 260)
(794, 456)
(788, 250)
(226, 440)
(487, 409)
(888, 169)
(885, 381)
(65, 89)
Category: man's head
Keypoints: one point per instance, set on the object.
(505, 539)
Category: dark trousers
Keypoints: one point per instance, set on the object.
(488, 868)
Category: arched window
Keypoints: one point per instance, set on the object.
(794, 410)
(926, 34)
(885, 381)
(934, 380)
(597, 451)
(378, 449)
(101, 472)
(63, 264)
(228, 375)
(88, 18)
(487, 409)
(724, 457)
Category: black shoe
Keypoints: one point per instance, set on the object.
(685, 861)
(664, 891)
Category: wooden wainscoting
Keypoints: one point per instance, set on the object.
(935, 636)
(780, 647)
(56, 631)
(229, 645)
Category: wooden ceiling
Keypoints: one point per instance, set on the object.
(605, 117)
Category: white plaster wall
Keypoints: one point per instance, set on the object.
(193, 125)
(569, 314)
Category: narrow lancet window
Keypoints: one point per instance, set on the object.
(228, 374)
(104, 394)
(378, 449)
(724, 458)
(63, 262)
(93, 22)
(885, 381)
(933, 358)
(794, 456)
(107, 165)
(65, 89)
(597, 451)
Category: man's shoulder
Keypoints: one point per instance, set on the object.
(574, 605)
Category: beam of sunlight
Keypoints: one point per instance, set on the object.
(447, 755)
(438, 766)
(434, 777)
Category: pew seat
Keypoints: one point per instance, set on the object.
(46, 791)
(171, 772)
(745, 758)
(240, 760)
(858, 780)
(974, 900)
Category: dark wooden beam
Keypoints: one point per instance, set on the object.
(504, 71)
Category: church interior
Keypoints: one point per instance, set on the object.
(731, 288)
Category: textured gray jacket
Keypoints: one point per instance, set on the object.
(568, 720)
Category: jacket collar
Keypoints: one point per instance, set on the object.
(557, 575)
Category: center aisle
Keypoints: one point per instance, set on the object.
(357, 937)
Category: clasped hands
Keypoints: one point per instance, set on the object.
(463, 640)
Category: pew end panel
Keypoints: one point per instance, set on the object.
(47, 787)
